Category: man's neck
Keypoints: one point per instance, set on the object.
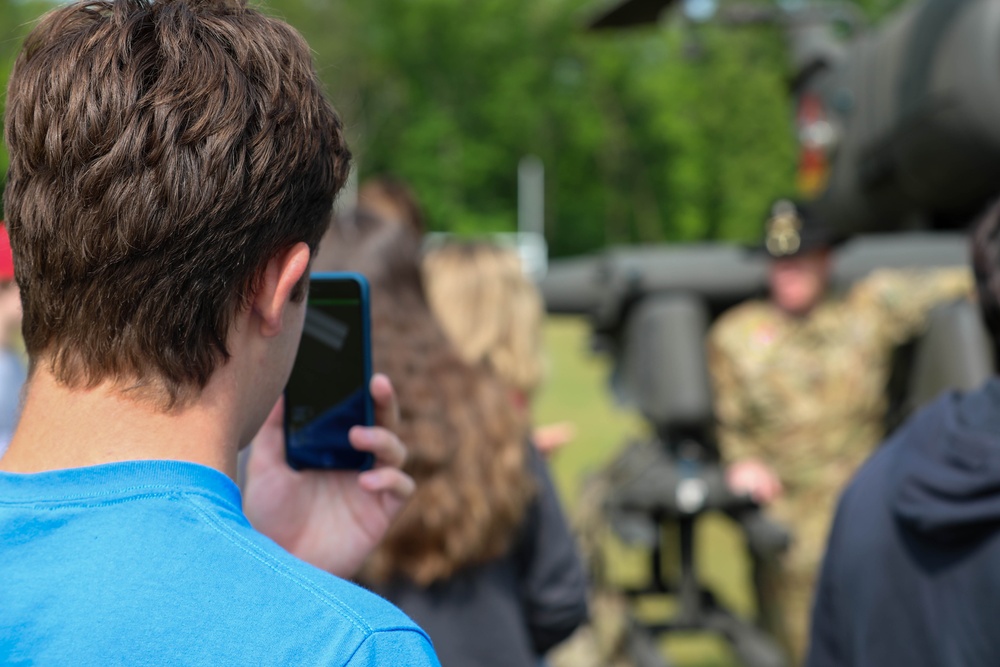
(71, 428)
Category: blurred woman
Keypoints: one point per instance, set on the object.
(482, 558)
(493, 314)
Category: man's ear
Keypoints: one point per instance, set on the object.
(274, 293)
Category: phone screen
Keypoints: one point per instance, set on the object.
(327, 392)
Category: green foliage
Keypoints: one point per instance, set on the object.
(8, 44)
(642, 142)
(673, 133)
(16, 19)
(878, 9)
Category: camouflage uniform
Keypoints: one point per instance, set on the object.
(807, 397)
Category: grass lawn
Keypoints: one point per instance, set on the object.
(576, 391)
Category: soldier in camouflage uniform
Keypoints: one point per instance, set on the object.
(800, 385)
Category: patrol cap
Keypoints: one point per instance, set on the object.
(793, 228)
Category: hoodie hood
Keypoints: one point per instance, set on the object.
(946, 479)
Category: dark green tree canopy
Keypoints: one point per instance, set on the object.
(669, 133)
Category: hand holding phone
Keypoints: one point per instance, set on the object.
(332, 519)
(328, 390)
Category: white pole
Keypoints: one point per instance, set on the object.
(531, 195)
(531, 216)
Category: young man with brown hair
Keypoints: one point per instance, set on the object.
(173, 166)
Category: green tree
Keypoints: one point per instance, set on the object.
(642, 142)
(16, 19)
(9, 21)
(669, 133)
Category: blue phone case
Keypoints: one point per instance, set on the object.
(363, 460)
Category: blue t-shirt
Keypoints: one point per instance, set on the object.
(154, 563)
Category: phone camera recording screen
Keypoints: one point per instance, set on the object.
(327, 392)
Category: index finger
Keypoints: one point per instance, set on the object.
(386, 405)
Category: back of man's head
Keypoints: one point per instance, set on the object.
(161, 153)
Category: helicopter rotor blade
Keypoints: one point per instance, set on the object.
(628, 13)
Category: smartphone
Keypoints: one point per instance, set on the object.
(328, 390)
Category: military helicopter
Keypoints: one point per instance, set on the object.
(898, 147)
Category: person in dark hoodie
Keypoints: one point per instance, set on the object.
(911, 574)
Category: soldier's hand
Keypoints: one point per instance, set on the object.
(553, 437)
(754, 478)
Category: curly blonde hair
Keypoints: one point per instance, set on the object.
(489, 308)
(468, 448)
